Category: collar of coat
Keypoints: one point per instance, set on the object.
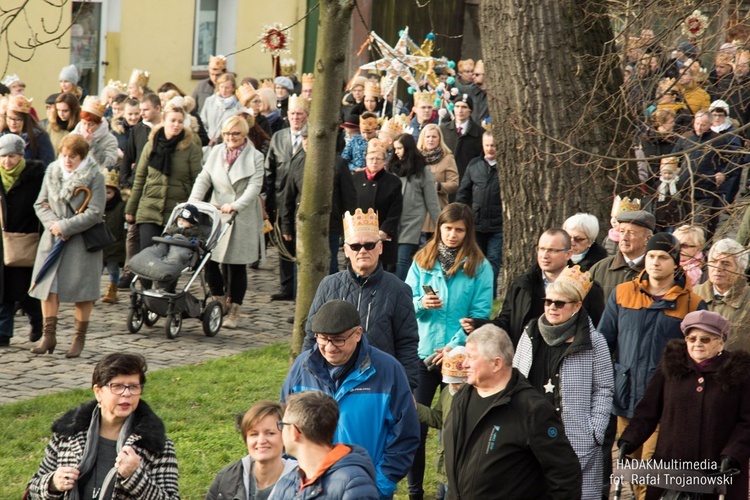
(371, 279)
(734, 297)
(183, 144)
(146, 425)
(677, 302)
(581, 341)
(732, 371)
(59, 190)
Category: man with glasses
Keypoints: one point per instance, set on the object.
(641, 316)
(384, 301)
(376, 408)
(524, 301)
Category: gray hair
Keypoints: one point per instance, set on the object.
(730, 248)
(701, 113)
(493, 342)
(586, 223)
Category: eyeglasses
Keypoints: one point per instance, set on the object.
(119, 389)
(233, 135)
(559, 304)
(335, 341)
(280, 425)
(550, 250)
(578, 239)
(369, 246)
(13, 119)
(683, 245)
(692, 339)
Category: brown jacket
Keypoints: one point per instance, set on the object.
(735, 306)
(613, 270)
(445, 173)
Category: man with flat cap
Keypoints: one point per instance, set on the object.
(641, 316)
(376, 407)
(636, 226)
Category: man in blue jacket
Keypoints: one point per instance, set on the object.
(376, 408)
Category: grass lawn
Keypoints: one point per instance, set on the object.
(197, 404)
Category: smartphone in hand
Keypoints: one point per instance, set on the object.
(428, 290)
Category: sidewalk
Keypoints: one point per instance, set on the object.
(25, 375)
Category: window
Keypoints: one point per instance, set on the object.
(206, 21)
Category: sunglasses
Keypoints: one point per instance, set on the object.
(692, 339)
(359, 246)
(559, 304)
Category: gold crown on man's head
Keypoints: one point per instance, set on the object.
(217, 62)
(288, 67)
(621, 205)
(140, 77)
(299, 102)
(425, 96)
(361, 223)
(308, 79)
(581, 281)
(372, 89)
(245, 93)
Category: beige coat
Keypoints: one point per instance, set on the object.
(445, 173)
(735, 307)
(240, 187)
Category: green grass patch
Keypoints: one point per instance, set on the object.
(197, 404)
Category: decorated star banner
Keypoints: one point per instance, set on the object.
(426, 70)
(395, 61)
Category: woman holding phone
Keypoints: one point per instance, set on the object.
(450, 279)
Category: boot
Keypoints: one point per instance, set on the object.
(111, 296)
(79, 337)
(230, 322)
(49, 340)
(222, 300)
(35, 332)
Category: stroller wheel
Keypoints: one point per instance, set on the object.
(150, 318)
(212, 318)
(173, 326)
(135, 319)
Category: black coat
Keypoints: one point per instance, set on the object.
(594, 255)
(136, 142)
(705, 162)
(480, 189)
(383, 194)
(19, 217)
(465, 148)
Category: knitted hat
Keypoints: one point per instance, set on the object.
(190, 214)
(709, 321)
(464, 98)
(667, 243)
(69, 74)
(285, 82)
(335, 317)
(719, 104)
(11, 144)
(454, 366)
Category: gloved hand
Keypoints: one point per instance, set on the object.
(625, 448)
(729, 465)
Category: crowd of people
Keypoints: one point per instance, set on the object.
(591, 346)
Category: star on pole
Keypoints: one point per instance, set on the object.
(395, 61)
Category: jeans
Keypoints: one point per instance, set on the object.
(405, 257)
(113, 270)
(7, 310)
(428, 383)
(491, 245)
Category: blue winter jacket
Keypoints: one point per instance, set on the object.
(351, 477)
(462, 296)
(376, 409)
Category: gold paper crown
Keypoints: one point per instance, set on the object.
(358, 81)
(621, 205)
(245, 93)
(376, 145)
(111, 177)
(424, 97)
(466, 64)
(93, 105)
(361, 223)
(298, 102)
(393, 127)
(580, 281)
(288, 67)
(454, 365)
(10, 80)
(308, 79)
(123, 88)
(372, 89)
(217, 62)
(266, 83)
(140, 78)
(19, 104)
(368, 124)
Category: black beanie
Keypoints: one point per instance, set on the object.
(667, 243)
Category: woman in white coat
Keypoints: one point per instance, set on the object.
(220, 107)
(235, 172)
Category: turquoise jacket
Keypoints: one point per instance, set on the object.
(462, 297)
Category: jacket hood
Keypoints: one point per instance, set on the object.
(357, 457)
(146, 424)
(183, 144)
(732, 371)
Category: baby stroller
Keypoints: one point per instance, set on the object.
(147, 305)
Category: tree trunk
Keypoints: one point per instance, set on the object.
(552, 85)
(313, 255)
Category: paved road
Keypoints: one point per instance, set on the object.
(24, 375)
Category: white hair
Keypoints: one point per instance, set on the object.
(730, 248)
(493, 342)
(586, 223)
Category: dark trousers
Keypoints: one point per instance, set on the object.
(132, 245)
(491, 245)
(286, 269)
(227, 279)
(31, 307)
(427, 383)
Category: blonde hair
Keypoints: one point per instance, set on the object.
(697, 233)
(565, 289)
(226, 77)
(236, 121)
(268, 98)
(432, 126)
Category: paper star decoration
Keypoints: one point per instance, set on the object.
(426, 70)
(395, 62)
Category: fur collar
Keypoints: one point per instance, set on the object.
(146, 425)
(183, 144)
(732, 371)
(60, 189)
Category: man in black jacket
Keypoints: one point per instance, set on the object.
(502, 438)
(463, 135)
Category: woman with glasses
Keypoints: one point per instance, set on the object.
(583, 230)
(450, 280)
(568, 361)
(234, 174)
(699, 396)
(692, 240)
(18, 120)
(255, 475)
(114, 446)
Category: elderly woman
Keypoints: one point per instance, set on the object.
(254, 476)
(234, 174)
(220, 106)
(700, 396)
(692, 240)
(442, 164)
(269, 110)
(20, 186)
(95, 129)
(583, 230)
(74, 275)
(18, 120)
(63, 118)
(568, 361)
(726, 291)
(112, 447)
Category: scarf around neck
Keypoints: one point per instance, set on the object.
(161, 156)
(231, 156)
(555, 335)
(434, 156)
(693, 268)
(226, 102)
(667, 187)
(721, 128)
(447, 257)
(10, 177)
(614, 235)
